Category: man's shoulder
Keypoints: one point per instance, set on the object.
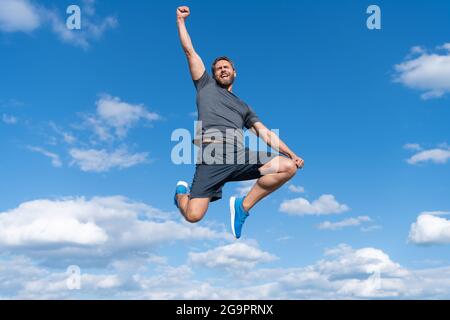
(204, 81)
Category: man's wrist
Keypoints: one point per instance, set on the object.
(291, 154)
(286, 153)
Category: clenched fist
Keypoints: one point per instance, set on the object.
(183, 12)
(299, 162)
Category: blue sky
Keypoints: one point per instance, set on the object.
(87, 179)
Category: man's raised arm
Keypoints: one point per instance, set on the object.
(196, 65)
(272, 140)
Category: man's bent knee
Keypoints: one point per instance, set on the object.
(291, 168)
(193, 217)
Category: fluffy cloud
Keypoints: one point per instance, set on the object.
(99, 228)
(236, 256)
(426, 71)
(135, 278)
(66, 136)
(326, 204)
(95, 147)
(56, 161)
(121, 116)
(112, 239)
(9, 119)
(437, 155)
(93, 160)
(344, 261)
(342, 273)
(350, 222)
(18, 16)
(21, 278)
(412, 146)
(114, 118)
(89, 30)
(296, 189)
(24, 16)
(430, 229)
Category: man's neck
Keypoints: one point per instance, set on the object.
(229, 88)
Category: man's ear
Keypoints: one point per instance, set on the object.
(235, 73)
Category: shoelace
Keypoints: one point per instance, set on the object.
(243, 217)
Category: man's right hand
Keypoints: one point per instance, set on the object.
(299, 162)
(183, 12)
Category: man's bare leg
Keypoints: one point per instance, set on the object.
(193, 210)
(276, 173)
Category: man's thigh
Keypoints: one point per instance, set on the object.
(277, 164)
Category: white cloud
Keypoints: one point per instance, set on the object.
(89, 7)
(326, 204)
(101, 160)
(244, 187)
(23, 16)
(343, 273)
(18, 15)
(114, 118)
(430, 229)
(21, 278)
(89, 30)
(67, 137)
(440, 156)
(112, 239)
(412, 146)
(9, 119)
(100, 129)
(99, 228)
(234, 257)
(94, 148)
(347, 261)
(56, 161)
(371, 228)
(436, 213)
(296, 189)
(122, 115)
(350, 222)
(417, 50)
(429, 72)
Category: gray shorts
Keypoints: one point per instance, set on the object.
(210, 178)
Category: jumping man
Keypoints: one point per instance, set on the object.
(220, 110)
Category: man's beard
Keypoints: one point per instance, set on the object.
(225, 82)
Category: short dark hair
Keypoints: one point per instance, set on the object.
(218, 59)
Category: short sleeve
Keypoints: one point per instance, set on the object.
(250, 118)
(204, 80)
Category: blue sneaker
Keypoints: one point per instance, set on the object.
(182, 188)
(238, 216)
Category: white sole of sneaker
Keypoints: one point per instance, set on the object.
(233, 214)
(183, 183)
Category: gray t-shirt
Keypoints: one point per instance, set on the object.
(219, 110)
